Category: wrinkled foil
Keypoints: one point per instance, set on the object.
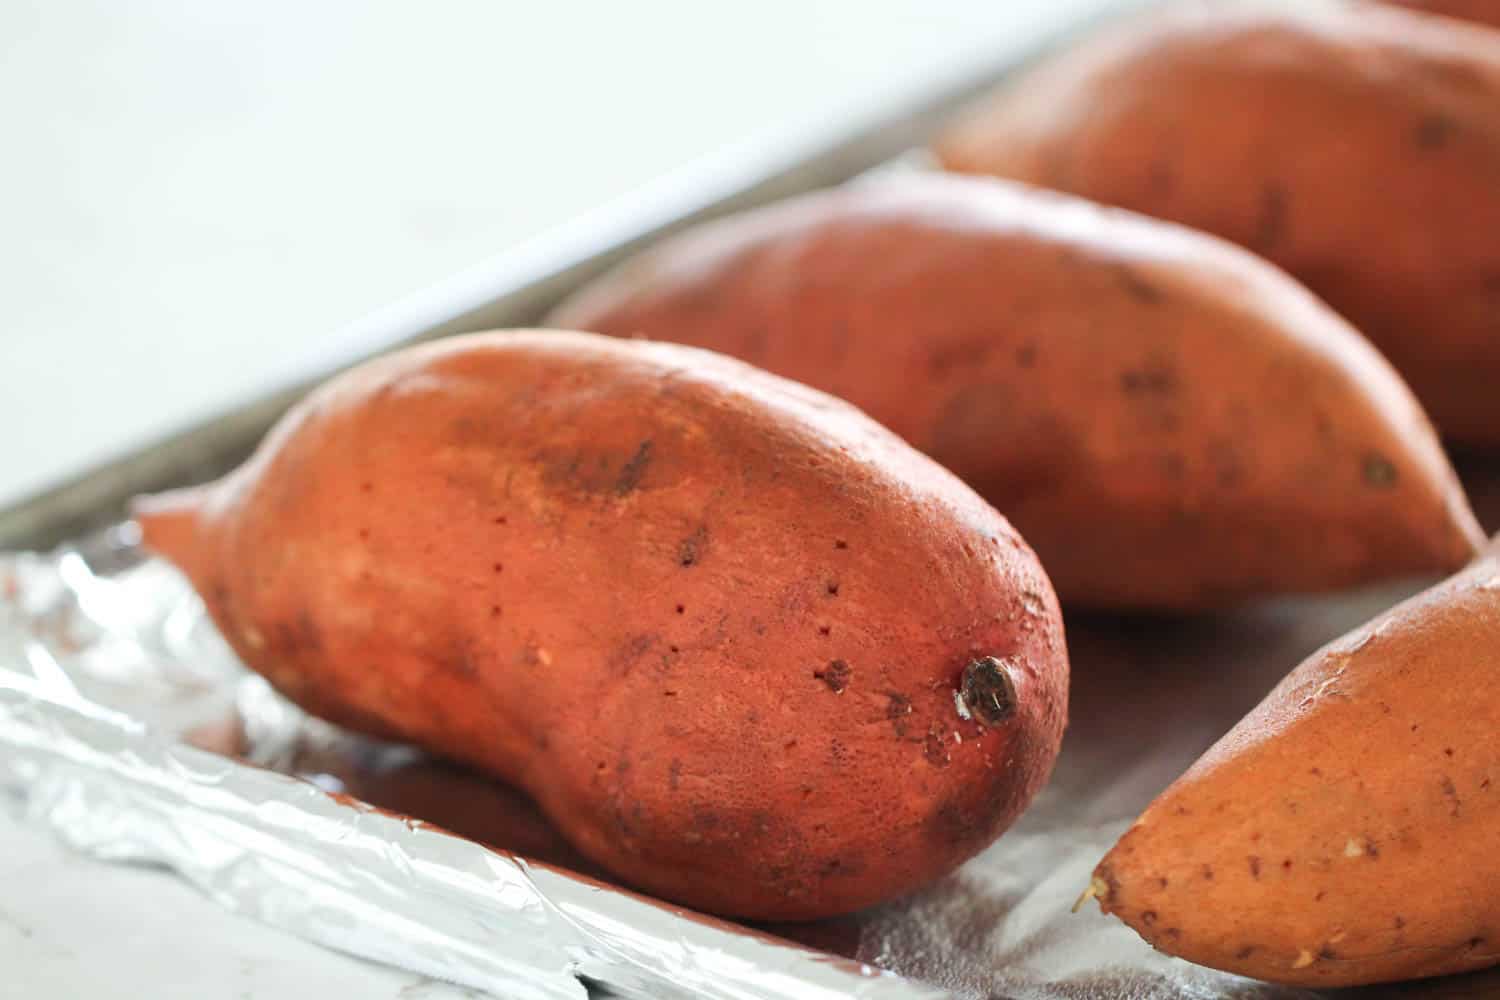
(128, 727)
(110, 670)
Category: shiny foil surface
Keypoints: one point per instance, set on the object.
(129, 729)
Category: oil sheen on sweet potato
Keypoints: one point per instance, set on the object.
(1347, 830)
(1170, 422)
(747, 649)
(1355, 145)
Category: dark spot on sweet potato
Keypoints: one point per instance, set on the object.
(1476, 942)
(1316, 772)
(1156, 378)
(459, 659)
(681, 609)
(988, 690)
(1173, 932)
(952, 823)
(1399, 922)
(1148, 917)
(1161, 882)
(838, 751)
(840, 544)
(690, 549)
(1106, 873)
(1137, 286)
(1448, 752)
(1227, 462)
(1378, 471)
(1286, 865)
(825, 630)
(1319, 897)
(498, 567)
(962, 355)
(832, 588)
(1254, 866)
(1270, 222)
(629, 652)
(935, 747)
(502, 519)
(836, 675)
(1026, 355)
(367, 487)
(1433, 131)
(1326, 952)
(1455, 803)
(1208, 873)
(634, 470)
(674, 774)
(1245, 952)
(297, 637)
(495, 611)
(364, 534)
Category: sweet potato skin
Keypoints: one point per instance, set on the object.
(1170, 422)
(1347, 831)
(1354, 145)
(1479, 11)
(713, 621)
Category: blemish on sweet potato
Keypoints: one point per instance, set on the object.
(1139, 288)
(988, 690)
(1254, 863)
(1378, 471)
(1270, 224)
(935, 746)
(1155, 378)
(634, 470)
(629, 652)
(690, 550)
(836, 675)
(1455, 806)
(1433, 131)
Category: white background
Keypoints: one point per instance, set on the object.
(191, 191)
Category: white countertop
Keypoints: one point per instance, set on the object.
(190, 192)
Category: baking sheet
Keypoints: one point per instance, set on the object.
(122, 716)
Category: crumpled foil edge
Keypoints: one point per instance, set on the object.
(375, 885)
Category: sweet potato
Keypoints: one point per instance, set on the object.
(1169, 421)
(1355, 145)
(1481, 11)
(745, 648)
(1348, 829)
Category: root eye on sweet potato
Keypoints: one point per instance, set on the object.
(722, 627)
(1169, 421)
(1348, 829)
(1355, 145)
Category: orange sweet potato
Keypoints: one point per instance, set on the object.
(1355, 145)
(746, 648)
(1348, 829)
(1169, 421)
(1481, 11)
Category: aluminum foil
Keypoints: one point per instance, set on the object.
(128, 727)
(110, 671)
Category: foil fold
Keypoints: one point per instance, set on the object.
(107, 663)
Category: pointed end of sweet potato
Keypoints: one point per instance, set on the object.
(169, 525)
